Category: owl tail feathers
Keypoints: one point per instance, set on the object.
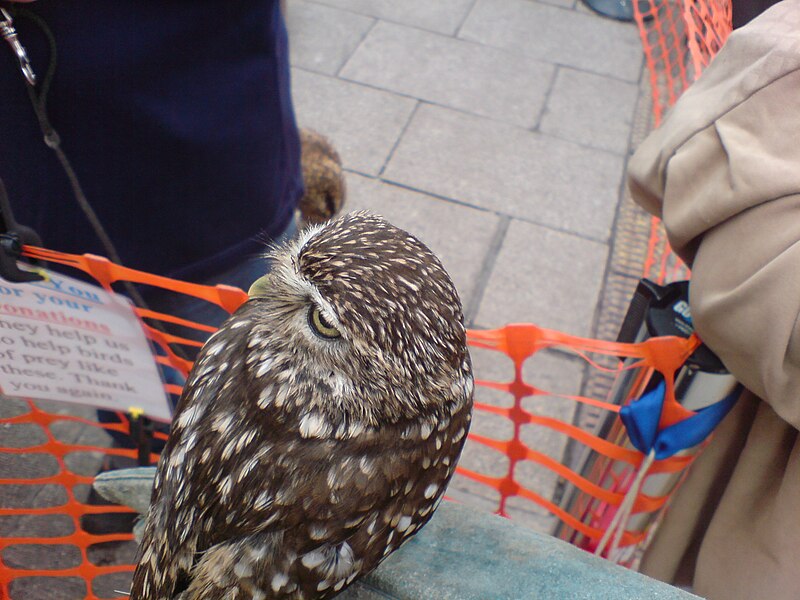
(158, 574)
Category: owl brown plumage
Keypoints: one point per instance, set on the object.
(319, 426)
(325, 188)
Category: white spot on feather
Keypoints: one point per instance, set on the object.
(313, 559)
(317, 532)
(223, 424)
(245, 470)
(425, 430)
(189, 416)
(215, 349)
(366, 466)
(258, 552)
(278, 581)
(263, 501)
(355, 429)
(227, 451)
(242, 569)
(245, 439)
(265, 365)
(312, 425)
(224, 487)
(190, 440)
(281, 395)
(265, 396)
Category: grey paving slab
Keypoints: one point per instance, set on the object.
(455, 73)
(546, 277)
(553, 34)
(459, 235)
(591, 109)
(443, 16)
(554, 371)
(363, 123)
(322, 38)
(509, 170)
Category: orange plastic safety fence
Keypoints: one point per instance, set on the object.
(679, 38)
(708, 25)
(518, 342)
(44, 518)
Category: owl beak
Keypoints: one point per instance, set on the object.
(260, 288)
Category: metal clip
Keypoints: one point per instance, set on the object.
(10, 35)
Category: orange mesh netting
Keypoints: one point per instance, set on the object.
(679, 39)
(520, 342)
(46, 518)
(65, 483)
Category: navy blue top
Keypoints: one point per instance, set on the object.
(177, 117)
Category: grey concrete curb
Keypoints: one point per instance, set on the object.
(462, 554)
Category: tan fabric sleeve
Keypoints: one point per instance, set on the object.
(723, 171)
(750, 549)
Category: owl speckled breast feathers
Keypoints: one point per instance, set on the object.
(319, 426)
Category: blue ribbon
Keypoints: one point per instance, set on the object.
(641, 418)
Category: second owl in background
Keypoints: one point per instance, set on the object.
(323, 180)
(319, 426)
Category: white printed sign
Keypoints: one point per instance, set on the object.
(63, 339)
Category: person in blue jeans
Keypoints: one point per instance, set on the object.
(177, 118)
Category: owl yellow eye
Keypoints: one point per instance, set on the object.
(320, 324)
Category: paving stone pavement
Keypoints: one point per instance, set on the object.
(497, 131)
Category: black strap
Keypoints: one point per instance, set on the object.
(12, 237)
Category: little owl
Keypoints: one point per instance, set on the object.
(319, 426)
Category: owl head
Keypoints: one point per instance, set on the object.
(356, 324)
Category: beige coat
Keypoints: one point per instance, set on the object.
(723, 171)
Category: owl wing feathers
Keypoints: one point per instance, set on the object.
(229, 486)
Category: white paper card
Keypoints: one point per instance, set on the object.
(62, 339)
